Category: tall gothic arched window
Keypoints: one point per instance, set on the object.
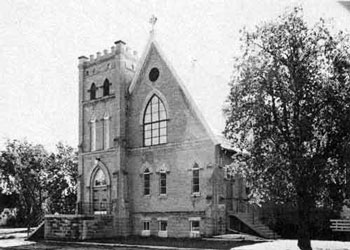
(154, 122)
(106, 87)
(146, 182)
(93, 91)
(195, 179)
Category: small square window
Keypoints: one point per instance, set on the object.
(146, 228)
(146, 225)
(195, 226)
(163, 225)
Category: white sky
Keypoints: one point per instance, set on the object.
(41, 40)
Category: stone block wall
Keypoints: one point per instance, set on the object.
(189, 146)
(79, 227)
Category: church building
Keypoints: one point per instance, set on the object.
(149, 164)
(147, 157)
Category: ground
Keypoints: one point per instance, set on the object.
(273, 245)
(15, 239)
(292, 245)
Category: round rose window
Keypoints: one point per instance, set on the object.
(153, 74)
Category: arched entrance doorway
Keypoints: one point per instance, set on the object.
(100, 193)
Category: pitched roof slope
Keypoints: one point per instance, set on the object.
(204, 94)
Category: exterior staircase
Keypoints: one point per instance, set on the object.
(253, 222)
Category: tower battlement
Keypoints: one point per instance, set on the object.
(119, 48)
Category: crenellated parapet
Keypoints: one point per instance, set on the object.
(119, 48)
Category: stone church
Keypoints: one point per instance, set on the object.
(147, 156)
(149, 164)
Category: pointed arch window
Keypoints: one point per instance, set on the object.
(106, 87)
(195, 179)
(162, 182)
(155, 122)
(93, 90)
(146, 182)
(100, 179)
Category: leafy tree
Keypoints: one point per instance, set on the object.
(21, 173)
(36, 177)
(61, 180)
(289, 110)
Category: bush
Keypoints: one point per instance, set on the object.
(284, 221)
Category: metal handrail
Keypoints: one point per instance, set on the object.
(243, 206)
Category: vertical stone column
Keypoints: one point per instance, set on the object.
(80, 182)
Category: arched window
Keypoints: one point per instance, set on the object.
(195, 179)
(93, 91)
(106, 87)
(146, 182)
(162, 182)
(100, 179)
(155, 122)
(100, 193)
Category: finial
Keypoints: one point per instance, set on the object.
(193, 63)
(153, 21)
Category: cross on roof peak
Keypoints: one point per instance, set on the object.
(153, 21)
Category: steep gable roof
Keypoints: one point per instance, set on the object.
(141, 65)
(214, 113)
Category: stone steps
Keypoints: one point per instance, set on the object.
(257, 226)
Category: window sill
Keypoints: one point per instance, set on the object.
(163, 196)
(155, 145)
(102, 98)
(197, 194)
(195, 234)
(163, 234)
(145, 233)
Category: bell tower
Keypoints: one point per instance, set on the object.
(103, 83)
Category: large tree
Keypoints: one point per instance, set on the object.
(61, 180)
(289, 111)
(21, 173)
(29, 172)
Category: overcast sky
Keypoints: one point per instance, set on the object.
(41, 40)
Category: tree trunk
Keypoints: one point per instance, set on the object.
(304, 241)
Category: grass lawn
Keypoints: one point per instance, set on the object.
(176, 242)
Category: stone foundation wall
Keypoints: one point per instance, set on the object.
(79, 227)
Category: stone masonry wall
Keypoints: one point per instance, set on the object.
(79, 227)
(188, 144)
